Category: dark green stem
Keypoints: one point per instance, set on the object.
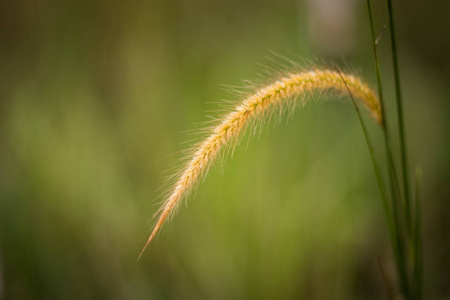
(375, 164)
(396, 233)
(400, 118)
(377, 67)
(398, 241)
(393, 224)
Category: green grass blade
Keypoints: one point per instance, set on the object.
(395, 191)
(377, 66)
(376, 167)
(394, 224)
(399, 245)
(401, 129)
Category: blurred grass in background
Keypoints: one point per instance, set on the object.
(94, 95)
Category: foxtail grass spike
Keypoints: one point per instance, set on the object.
(275, 97)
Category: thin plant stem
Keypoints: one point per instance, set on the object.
(399, 245)
(397, 242)
(401, 129)
(375, 164)
(377, 66)
(393, 224)
(395, 235)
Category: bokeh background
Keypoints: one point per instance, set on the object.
(95, 95)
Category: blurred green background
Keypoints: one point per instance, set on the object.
(94, 96)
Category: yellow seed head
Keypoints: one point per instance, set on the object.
(277, 95)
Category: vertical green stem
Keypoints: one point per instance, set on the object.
(400, 117)
(375, 164)
(393, 222)
(377, 68)
(399, 244)
(396, 234)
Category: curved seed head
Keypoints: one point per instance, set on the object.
(281, 94)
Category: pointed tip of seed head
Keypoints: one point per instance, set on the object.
(148, 242)
(143, 249)
(158, 225)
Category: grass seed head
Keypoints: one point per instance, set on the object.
(284, 94)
